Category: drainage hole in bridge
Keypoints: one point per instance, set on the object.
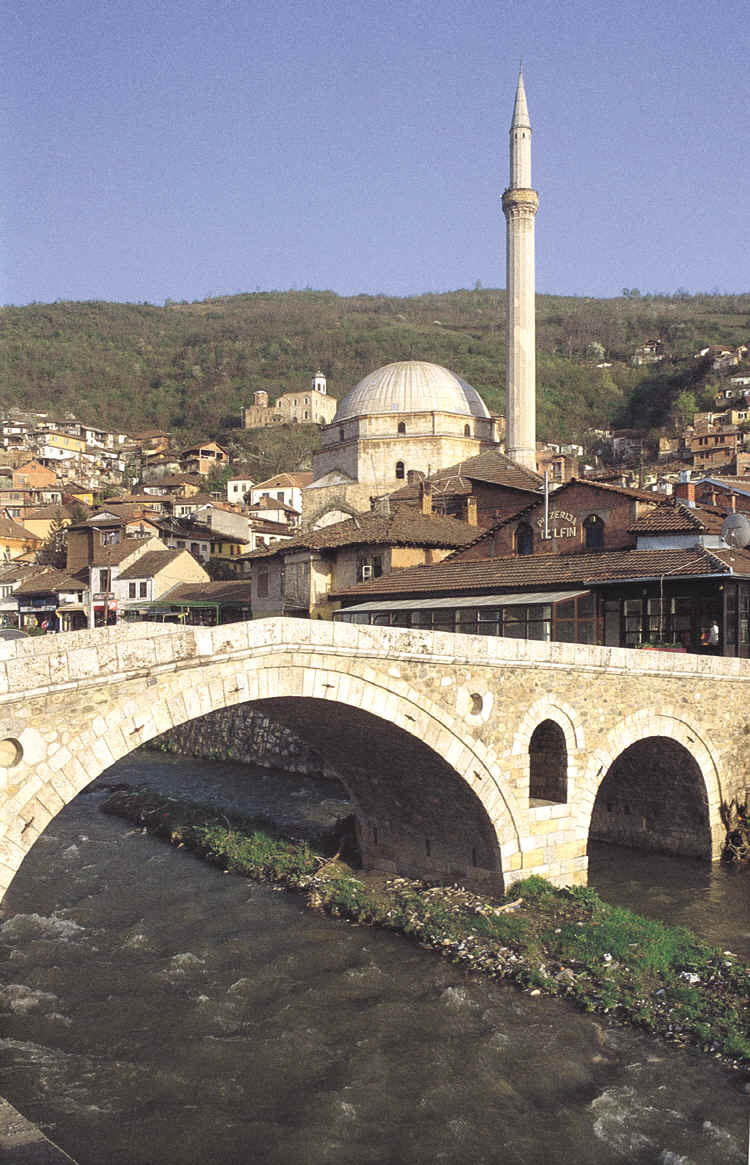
(10, 753)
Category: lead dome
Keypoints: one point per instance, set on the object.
(411, 386)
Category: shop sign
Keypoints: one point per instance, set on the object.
(562, 524)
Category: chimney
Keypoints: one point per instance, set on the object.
(471, 510)
(686, 490)
(425, 497)
(733, 501)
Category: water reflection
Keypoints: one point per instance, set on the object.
(711, 898)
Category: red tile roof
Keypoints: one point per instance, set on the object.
(541, 570)
(642, 495)
(672, 518)
(280, 480)
(221, 591)
(491, 466)
(11, 530)
(405, 526)
(48, 582)
(150, 564)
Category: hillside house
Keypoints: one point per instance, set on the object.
(715, 448)
(296, 577)
(480, 490)
(203, 458)
(152, 575)
(284, 487)
(237, 488)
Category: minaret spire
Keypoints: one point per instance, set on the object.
(520, 109)
(520, 204)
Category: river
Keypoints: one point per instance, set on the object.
(156, 1011)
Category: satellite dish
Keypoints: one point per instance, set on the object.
(735, 531)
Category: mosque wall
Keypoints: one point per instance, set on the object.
(434, 424)
(375, 460)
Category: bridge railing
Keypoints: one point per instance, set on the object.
(53, 661)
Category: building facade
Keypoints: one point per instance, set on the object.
(311, 406)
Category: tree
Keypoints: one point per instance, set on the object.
(54, 549)
(684, 409)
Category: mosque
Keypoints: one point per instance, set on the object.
(414, 417)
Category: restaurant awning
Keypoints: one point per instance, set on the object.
(524, 598)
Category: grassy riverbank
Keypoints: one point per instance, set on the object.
(565, 942)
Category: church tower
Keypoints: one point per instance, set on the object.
(520, 204)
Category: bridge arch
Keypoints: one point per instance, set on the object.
(680, 744)
(51, 775)
(561, 714)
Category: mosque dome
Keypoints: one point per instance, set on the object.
(411, 386)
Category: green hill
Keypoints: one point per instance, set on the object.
(189, 367)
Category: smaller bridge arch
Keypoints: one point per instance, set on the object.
(561, 714)
(692, 770)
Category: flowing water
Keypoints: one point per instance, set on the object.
(157, 1011)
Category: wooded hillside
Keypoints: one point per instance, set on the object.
(189, 367)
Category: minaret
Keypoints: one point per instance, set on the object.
(520, 204)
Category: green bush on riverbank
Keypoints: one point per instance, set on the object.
(564, 942)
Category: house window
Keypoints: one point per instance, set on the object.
(467, 430)
(400, 470)
(575, 620)
(142, 590)
(368, 568)
(104, 576)
(263, 584)
(401, 427)
(593, 532)
(633, 610)
(524, 539)
(131, 590)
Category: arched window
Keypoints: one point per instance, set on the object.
(400, 471)
(523, 539)
(548, 763)
(593, 532)
(402, 427)
(467, 430)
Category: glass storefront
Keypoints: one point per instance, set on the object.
(571, 618)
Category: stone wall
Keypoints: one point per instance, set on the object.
(245, 735)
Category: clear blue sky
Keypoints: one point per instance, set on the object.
(162, 149)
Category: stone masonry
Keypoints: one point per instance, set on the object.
(244, 734)
(430, 731)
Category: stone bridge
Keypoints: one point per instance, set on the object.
(470, 758)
